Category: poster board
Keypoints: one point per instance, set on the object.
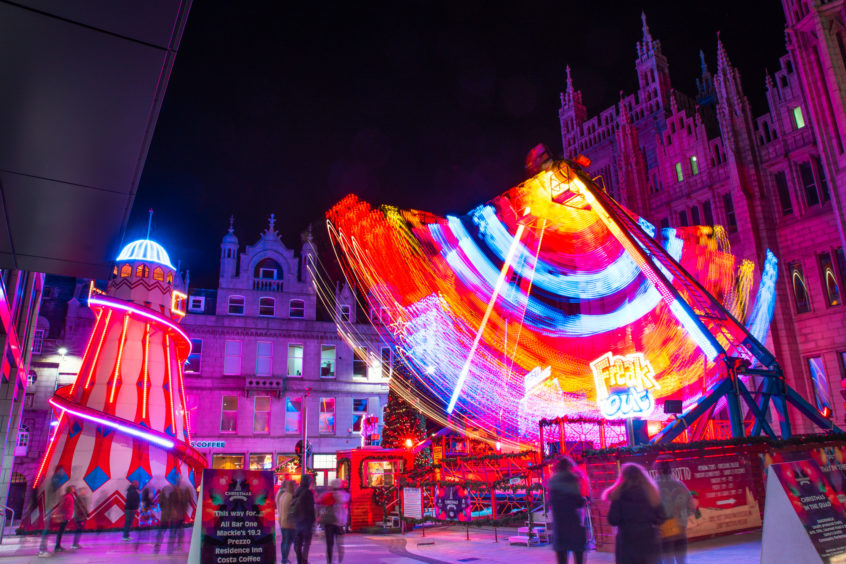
(236, 518)
(804, 519)
(412, 503)
(452, 503)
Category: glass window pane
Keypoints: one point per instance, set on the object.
(228, 461)
(293, 414)
(261, 461)
(809, 184)
(679, 173)
(801, 298)
(327, 415)
(708, 213)
(295, 360)
(818, 378)
(264, 358)
(783, 193)
(327, 361)
(831, 289)
(236, 305)
(325, 461)
(360, 362)
(359, 411)
(731, 218)
(267, 307)
(386, 362)
(229, 414)
(232, 358)
(193, 363)
(297, 309)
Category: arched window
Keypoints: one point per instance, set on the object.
(158, 274)
(236, 305)
(297, 310)
(125, 271)
(114, 272)
(268, 269)
(170, 277)
(143, 271)
(267, 307)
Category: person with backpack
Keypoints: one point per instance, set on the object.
(302, 511)
(333, 517)
(679, 505)
(286, 521)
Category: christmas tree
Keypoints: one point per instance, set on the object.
(401, 422)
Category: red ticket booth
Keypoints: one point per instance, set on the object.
(365, 469)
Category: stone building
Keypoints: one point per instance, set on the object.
(775, 181)
(268, 361)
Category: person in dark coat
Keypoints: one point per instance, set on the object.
(133, 502)
(636, 511)
(567, 501)
(303, 513)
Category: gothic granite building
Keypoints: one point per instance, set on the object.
(776, 181)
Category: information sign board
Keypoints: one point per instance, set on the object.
(412, 503)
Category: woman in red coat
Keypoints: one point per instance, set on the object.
(64, 514)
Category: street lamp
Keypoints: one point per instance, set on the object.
(63, 351)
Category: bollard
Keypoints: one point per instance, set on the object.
(496, 537)
(467, 531)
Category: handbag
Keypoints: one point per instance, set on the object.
(670, 528)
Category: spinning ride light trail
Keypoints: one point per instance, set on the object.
(499, 314)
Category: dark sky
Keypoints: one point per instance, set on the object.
(287, 107)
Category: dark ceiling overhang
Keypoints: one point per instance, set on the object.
(81, 86)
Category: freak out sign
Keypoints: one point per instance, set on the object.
(624, 385)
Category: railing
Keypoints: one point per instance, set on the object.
(267, 285)
(3, 527)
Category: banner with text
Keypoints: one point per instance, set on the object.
(239, 517)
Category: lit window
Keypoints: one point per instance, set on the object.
(798, 118)
(383, 472)
(261, 461)
(22, 443)
(142, 271)
(293, 414)
(115, 271)
(800, 290)
(679, 173)
(360, 362)
(236, 305)
(194, 362)
(327, 361)
(297, 309)
(295, 360)
(694, 166)
(125, 271)
(345, 313)
(232, 358)
(264, 358)
(327, 415)
(359, 410)
(228, 461)
(197, 304)
(158, 274)
(386, 362)
(818, 378)
(261, 415)
(37, 341)
(267, 307)
(731, 218)
(843, 364)
(229, 414)
(170, 277)
(829, 279)
(192, 406)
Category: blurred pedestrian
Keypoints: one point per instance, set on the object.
(333, 517)
(286, 521)
(302, 509)
(178, 506)
(678, 506)
(62, 515)
(51, 499)
(80, 514)
(636, 511)
(165, 516)
(133, 502)
(567, 502)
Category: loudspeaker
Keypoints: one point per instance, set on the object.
(672, 406)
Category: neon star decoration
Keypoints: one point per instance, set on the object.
(498, 314)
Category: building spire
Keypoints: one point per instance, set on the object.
(149, 223)
(702, 64)
(232, 223)
(568, 93)
(647, 37)
(722, 57)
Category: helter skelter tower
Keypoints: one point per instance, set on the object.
(124, 418)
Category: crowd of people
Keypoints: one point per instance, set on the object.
(298, 510)
(651, 516)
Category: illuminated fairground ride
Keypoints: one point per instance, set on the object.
(553, 300)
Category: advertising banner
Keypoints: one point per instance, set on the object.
(452, 503)
(817, 505)
(238, 517)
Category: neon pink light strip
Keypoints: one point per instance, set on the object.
(49, 453)
(142, 312)
(146, 373)
(117, 426)
(99, 347)
(120, 355)
(88, 346)
(170, 381)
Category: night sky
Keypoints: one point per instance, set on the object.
(287, 107)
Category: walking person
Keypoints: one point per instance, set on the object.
(333, 517)
(286, 520)
(165, 517)
(678, 506)
(567, 502)
(51, 498)
(133, 502)
(63, 514)
(80, 514)
(636, 511)
(178, 501)
(302, 509)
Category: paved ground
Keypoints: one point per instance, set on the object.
(440, 546)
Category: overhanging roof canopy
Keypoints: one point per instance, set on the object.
(82, 85)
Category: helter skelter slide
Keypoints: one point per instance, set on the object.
(124, 418)
(553, 300)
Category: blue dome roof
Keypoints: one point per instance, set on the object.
(145, 250)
